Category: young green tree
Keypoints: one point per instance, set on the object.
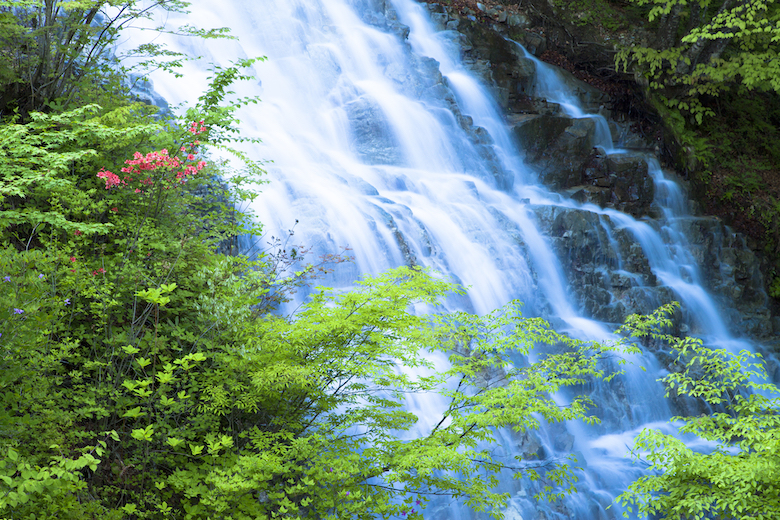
(738, 477)
(325, 394)
(60, 53)
(703, 47)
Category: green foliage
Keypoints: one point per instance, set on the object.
(696, 152)
(738, 477)
(591, 12)
(57, 54)
(705, 47)
(746, 183)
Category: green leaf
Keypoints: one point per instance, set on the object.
(134, 413)
(13, 455)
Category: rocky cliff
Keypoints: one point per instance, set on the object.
(608, 273)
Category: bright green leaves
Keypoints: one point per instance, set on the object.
(704, 48)
(157, 295)
(143, 434)
(134, 413)
(737, 477)
(348, 362)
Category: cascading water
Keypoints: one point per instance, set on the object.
(372, 148)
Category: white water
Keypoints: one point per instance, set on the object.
(369, 152)
(550, 86)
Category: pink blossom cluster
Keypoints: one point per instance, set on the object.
(151, 161)
(112, 179)
(154, 161)
(196, 127)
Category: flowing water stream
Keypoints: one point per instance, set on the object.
(388, 145)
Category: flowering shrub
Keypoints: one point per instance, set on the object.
(143, 169)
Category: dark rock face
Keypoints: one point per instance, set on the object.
(607, 269)
(730, 271)
(561, 149)
(609, 273)
(556, 145)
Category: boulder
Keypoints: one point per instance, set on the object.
(558, 147)
(632, 188)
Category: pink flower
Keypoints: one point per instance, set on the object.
(190, 157)
(72, 258)
(196, 128)
(112, 179)
(114, 210)
(78, 233)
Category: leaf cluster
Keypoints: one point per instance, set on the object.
(735, 475)
(704, 48)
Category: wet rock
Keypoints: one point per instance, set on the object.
(564, 442)
(598, 195)
(518, 20)
(632, 189)
(535, 43)
(732, 272)
(530, 446)
(558, 147)
(535, 133)
(373, 139)
(439, 21)
(592, 99)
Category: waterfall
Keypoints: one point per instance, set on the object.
(380, 140)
